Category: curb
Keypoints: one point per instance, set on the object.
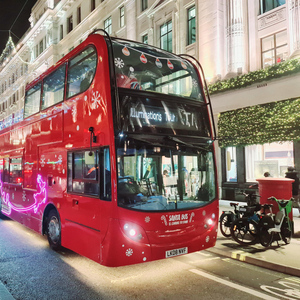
(244, 257)
(4, 293)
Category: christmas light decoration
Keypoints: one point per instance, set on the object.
(39, 198)
(260, 124)
(285, 68)
(9, 48)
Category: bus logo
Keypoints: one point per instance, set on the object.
(177, 219)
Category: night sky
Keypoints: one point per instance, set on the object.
(9, 11)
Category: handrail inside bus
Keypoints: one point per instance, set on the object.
(113, 74)
(206, 88)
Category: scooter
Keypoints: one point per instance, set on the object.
(276, 227)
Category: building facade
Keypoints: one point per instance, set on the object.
(229, 37)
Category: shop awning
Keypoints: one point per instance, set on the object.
(260, 124)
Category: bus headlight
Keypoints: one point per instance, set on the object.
(133, 231)
(209, 222)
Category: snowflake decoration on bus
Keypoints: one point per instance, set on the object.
(42, 161)
(74, 113)
(147, 219)
(129, 252)
(119, 62)
(96, 100)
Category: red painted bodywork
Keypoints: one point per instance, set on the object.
(90, 226)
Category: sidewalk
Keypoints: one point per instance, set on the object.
(4, 293)
(284, 259)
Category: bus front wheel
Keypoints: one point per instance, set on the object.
(54, 230)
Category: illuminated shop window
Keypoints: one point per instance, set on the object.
(268, 159)
(231, 169)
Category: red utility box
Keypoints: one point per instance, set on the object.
(280, 188)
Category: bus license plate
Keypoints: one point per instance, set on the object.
(243, 208)
(176, 252)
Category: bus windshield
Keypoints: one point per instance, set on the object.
(164, 178)
(141, 67)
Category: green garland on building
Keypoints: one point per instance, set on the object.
(279, 70)
(259, 124)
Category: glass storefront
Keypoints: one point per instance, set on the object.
(268, 160)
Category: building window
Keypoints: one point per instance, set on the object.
(144, 4)
(41, 47)
(267, 5)
(93, 4)
(122, 16)
(78, 14)
(166, 36)
(274, 49)
(108, 25)
(273, 158)
(61, 35)
(70, 24)
(231, 167)
(145, 39)
(191, 25)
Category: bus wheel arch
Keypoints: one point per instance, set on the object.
(52, 227)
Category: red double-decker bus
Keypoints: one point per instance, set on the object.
(114, 158)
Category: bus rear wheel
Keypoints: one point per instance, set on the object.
(54, 230)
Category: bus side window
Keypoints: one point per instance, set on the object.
(32, 101)
(105, 174)
(1, 168)
(53, 87)
(6, 170)
(81, 71)
(16, 170)
(83, 168)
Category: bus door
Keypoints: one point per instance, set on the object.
(87, 209)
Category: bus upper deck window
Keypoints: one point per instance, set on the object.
(81, 71)
(32, 101)
(53, 87)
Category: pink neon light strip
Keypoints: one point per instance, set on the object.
(39, 198)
